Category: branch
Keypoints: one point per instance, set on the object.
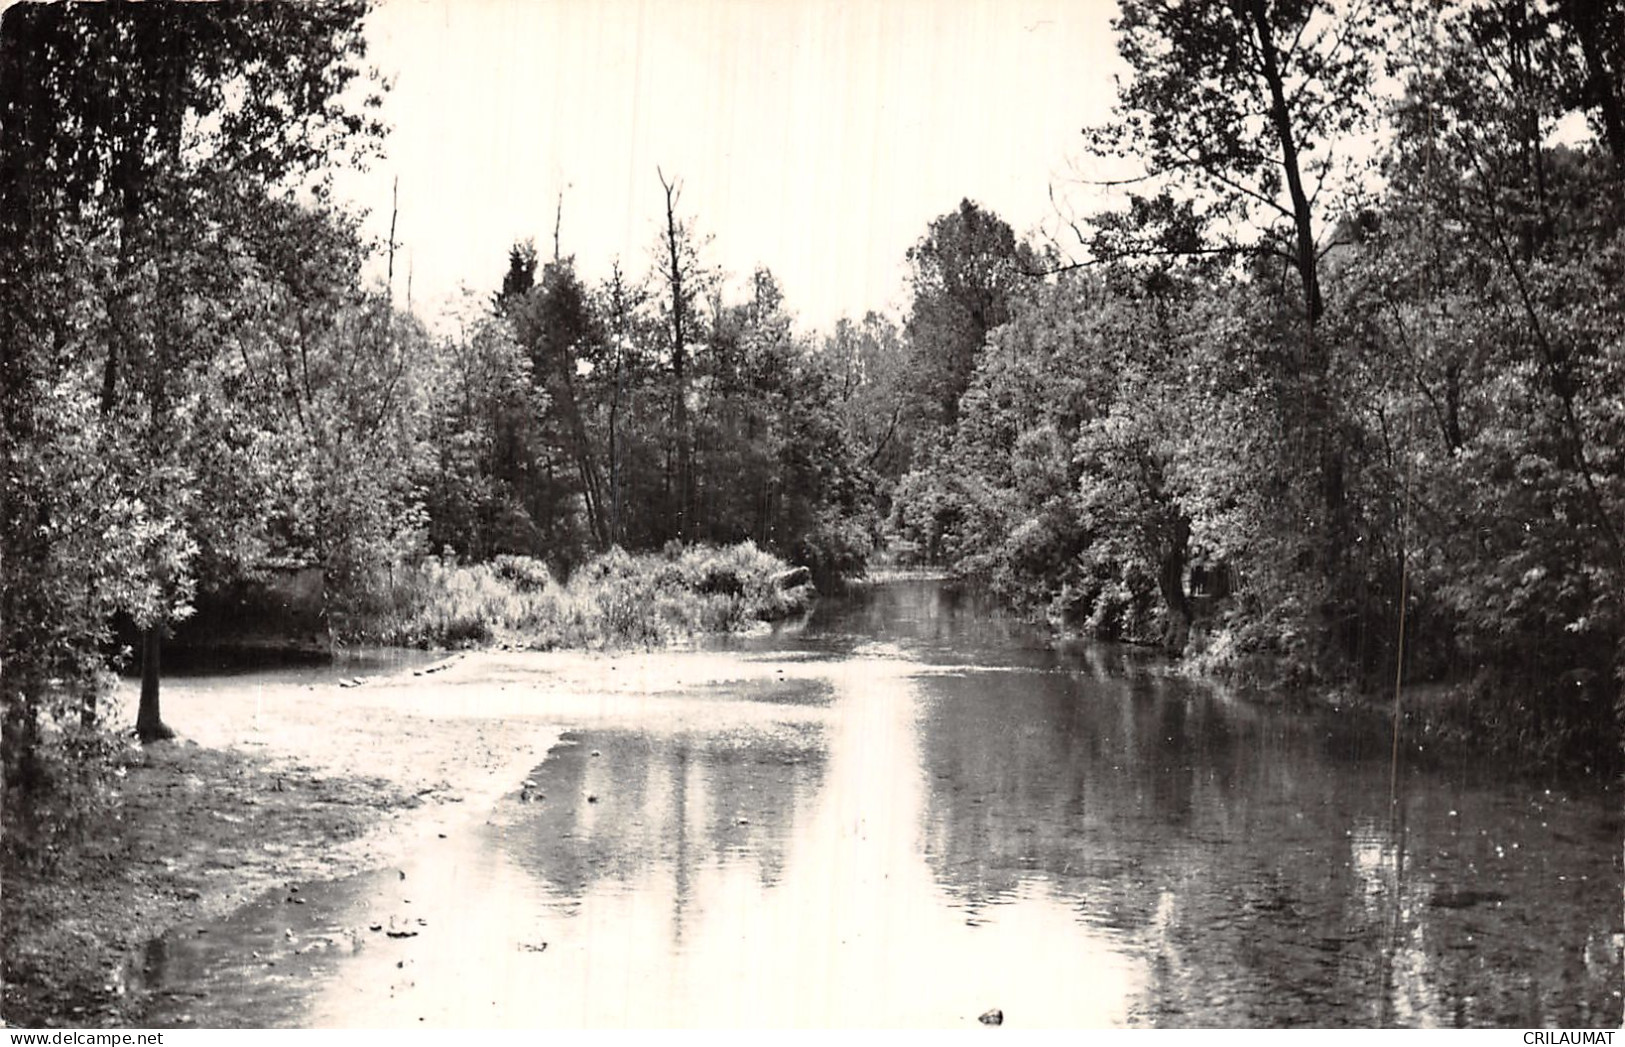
(1108, 183)
(1071, 223)
(1324, 251)
(1565, 394)
(1157, 252)
(1231, 183)
(897, 410)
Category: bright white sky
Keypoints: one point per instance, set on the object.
(816, 137)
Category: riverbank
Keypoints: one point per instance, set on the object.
(265, 786)
(1534, 730)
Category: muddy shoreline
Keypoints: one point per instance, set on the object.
(311, 780)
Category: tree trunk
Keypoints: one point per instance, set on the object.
(1171, 582)
(1320, 430)
(1589, 21)
(615, 455)
(679, 353)
(149, 726)
(592, 490)
(1281, 119)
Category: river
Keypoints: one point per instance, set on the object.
(907, 810)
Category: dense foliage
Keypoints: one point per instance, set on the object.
(156, 271)
(200, 387)
(1328, 420)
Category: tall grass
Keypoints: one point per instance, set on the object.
(616, 600)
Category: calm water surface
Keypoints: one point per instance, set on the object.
(906, 810)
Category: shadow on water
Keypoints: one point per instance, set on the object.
(1260, 875)
(324, 666)
(913, 810)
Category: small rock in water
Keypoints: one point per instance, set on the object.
(592, 799)
(992, 1017)
(595, 752)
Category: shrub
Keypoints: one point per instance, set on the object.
(522, 572)
(617, 599)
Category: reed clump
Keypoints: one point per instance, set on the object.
(616, 600)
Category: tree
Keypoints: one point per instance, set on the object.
(685, 281)
(1595, 83)
(558, 326)
(490, 486)
(1491, 286)
(1241, 114)
(521, 274)
(869, 366)
(1242, 106)
(622, 306)
(216, 107)
(964, 274)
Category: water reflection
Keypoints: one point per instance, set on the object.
(1265, 883)
(736, 878)
(908, 810)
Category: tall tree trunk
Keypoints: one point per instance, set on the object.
(615, 531)
(591, 488)
(679, 355)
(1319, 428)
(1171, 583)
(1305, 255)
(149, 726)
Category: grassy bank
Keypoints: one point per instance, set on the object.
(618, 599)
